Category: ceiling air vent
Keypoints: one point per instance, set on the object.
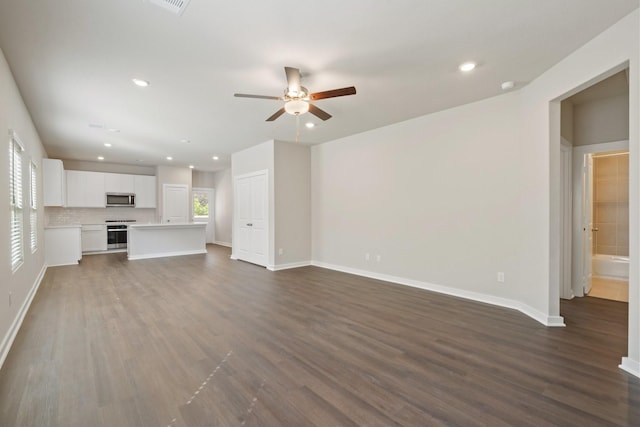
(175, 6)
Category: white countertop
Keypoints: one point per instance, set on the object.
(169, 225)
(62, 226)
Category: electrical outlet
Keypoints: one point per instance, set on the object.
(378, 258)
(280, 251)
(367, 256)
(500, 277)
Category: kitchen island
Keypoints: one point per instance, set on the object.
(164, 240)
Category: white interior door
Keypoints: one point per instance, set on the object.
(251, 225)
(203, 208)
(175, 203)
(588, 228)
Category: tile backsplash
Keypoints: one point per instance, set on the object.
(55, 216)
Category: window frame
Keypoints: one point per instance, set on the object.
(16, 202)
(33, 206)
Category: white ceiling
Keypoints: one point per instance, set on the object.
(74, 61)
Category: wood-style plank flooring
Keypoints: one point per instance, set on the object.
(205, 341)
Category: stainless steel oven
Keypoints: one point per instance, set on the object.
(117, 233)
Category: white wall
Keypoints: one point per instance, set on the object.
(22, 283)
(202, 179)
(602, 120)
(433, 196)
(79, 165)
(224, 206)
(449, 199)
(292, 181)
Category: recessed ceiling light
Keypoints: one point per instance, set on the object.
(106, 144)
(310, 125)
(114, 130)
(140, 82)
(139, 160)
(467, 66)
(100, 158)
(96, 125)
(215, 157)
(191, 166)
(508, 85)
(169, 158)
(186, 141)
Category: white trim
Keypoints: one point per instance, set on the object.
(7, 342)
(166, 254)
(227, 244)
(288, 266)
(473, 296)
(630, 366)
(64, 263)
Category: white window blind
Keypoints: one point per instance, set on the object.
(33, 202)
(15, 201)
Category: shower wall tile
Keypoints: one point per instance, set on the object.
(607, 167)
(606, 190)
(602, 249)
(611, 207)
(606, 213)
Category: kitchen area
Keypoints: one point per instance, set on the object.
(88, 212)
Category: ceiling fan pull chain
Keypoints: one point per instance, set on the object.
(297, 128)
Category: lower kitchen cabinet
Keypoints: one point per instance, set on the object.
(62, 245)
(94, 238)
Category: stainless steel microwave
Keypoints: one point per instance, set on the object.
(121, 199)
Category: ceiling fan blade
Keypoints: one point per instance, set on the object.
(333, 93)
(321, 114)
(276, 115)
(244, 95)
(293, 78)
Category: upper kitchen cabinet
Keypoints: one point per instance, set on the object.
(145, 190)
(53, 179)
(119, 183)
(85, 189)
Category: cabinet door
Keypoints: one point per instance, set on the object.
(85, 189)
(94, 238)
(145, 190)
(53, 182)
(75, 189)
(119, 183)
(94, 196)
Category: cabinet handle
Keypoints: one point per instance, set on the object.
(249, 225)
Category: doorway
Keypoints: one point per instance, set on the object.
(203, 210)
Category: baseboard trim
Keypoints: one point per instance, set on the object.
(631, 366)
(227, 244)
(287, 266)
(552, 321)
(167, 254)
(10, 336)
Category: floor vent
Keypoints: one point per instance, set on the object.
(175, 6)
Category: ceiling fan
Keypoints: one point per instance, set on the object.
(298, 99)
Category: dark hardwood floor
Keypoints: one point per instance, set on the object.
(205, 341)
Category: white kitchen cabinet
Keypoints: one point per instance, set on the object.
(53, 180)
(145, 190)
(85, 189)
(119, 183)
(62, 245)
(94, 237)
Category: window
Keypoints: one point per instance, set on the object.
(200, 205)
(15, 201)
(33, 204)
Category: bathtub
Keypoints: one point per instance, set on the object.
(610, 266)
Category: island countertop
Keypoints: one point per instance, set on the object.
(165, 239)
(170, 225)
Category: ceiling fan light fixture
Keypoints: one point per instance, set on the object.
(296, 107)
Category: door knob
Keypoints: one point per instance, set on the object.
(594, 229)
(249, 225)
